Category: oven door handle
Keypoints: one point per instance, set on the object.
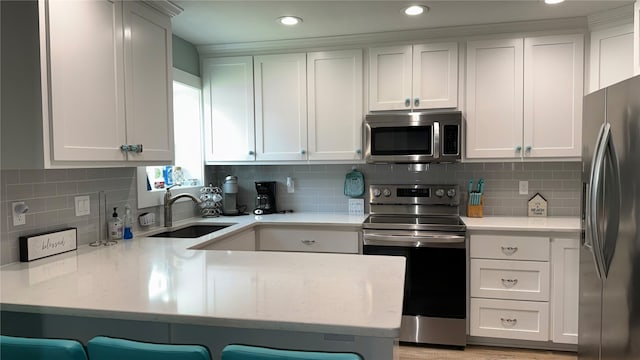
(431, 240)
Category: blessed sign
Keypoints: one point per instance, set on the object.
(37, 246)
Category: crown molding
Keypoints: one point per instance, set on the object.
(369, 39)
(611, 18)
(165, 6)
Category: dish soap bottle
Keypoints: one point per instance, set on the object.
(128, 234)
(115, 226)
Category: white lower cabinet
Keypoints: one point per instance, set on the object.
(245, 241)
(308, 240)
(523, 320)
(524, 286)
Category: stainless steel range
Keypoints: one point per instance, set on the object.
(422, 223)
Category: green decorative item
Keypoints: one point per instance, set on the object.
(354, 183)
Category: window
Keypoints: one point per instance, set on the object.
(187, 175)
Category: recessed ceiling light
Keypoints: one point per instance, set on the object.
(289, 20)
(415, 10)
(551, 2)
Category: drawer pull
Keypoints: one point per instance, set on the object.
(509, 323)
(509, 283)
(308, 242)
(509, 250)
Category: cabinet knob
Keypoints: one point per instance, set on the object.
(518, 148)
(358, 151)
(124, 147)
(528, 148)
(136, 148)
(303, 151)
(416, 102)
(251, 152)
(407, 102)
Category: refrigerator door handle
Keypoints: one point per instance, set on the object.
(594, 192)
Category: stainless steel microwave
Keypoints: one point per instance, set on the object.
(416, 137)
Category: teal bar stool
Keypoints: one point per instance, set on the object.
(244, 352)
(19, 348)
(105, 348)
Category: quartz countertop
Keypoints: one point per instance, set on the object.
(524, 223)
(161, 279)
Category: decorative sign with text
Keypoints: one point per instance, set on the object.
(37, 246)
(537, 205)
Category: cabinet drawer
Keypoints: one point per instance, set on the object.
(509, 247)
(508, 319)
(504, 279)
(308, 240)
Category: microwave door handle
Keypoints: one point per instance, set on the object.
(436, 139)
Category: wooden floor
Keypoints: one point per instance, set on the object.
(482, 353)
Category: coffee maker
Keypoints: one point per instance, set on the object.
(266, 198)
(230, 191)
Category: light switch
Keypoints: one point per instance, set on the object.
(83, 205)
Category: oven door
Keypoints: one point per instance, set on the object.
(435, 276)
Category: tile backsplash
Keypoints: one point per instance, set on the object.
(318, 188)
(50, 194)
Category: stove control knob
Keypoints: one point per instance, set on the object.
(451, 193)
(440, 192)
(376, 192)
(386, 192)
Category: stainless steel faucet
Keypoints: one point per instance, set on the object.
(168, 202)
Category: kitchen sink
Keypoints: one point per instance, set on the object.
(192, 231)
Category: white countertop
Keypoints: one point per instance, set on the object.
(523, 223)
(160, 279)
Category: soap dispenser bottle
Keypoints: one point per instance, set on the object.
(115, 226)
(128, 234)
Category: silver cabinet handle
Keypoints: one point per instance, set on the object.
(308, 242)
(509, 250)
(124, 148)
(416, 102)
(509, 283)
(407, 102)
(137, 148)
(509, 323)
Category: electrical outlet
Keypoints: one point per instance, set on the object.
(524, 187)
(83, 205)
(19, 218)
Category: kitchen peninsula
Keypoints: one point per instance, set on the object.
(158, 289)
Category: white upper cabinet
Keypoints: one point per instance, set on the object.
(86, 104)
(228, 102)
(553, 91)
(413, 77)
(334, 83)
(148, 82)
(495, 71)
(101, 73)
(280, 83)
(524, 97)
(611, 56)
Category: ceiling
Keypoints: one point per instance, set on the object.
(217, 22)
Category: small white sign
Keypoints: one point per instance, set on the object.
(537, 205)
(356, 206)
(43, 245)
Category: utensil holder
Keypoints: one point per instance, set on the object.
(475, 210)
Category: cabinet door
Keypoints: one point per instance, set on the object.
(244, 241)
(308, 240)
(228, 109)
(390, 76)
(435, 76)
(565, 262)
(148, 82)
(85, 102)
(334, 81)
(494, 98)
(611, 56)
(281, 107)
(553, 93)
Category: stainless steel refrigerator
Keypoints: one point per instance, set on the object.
(609, 313)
